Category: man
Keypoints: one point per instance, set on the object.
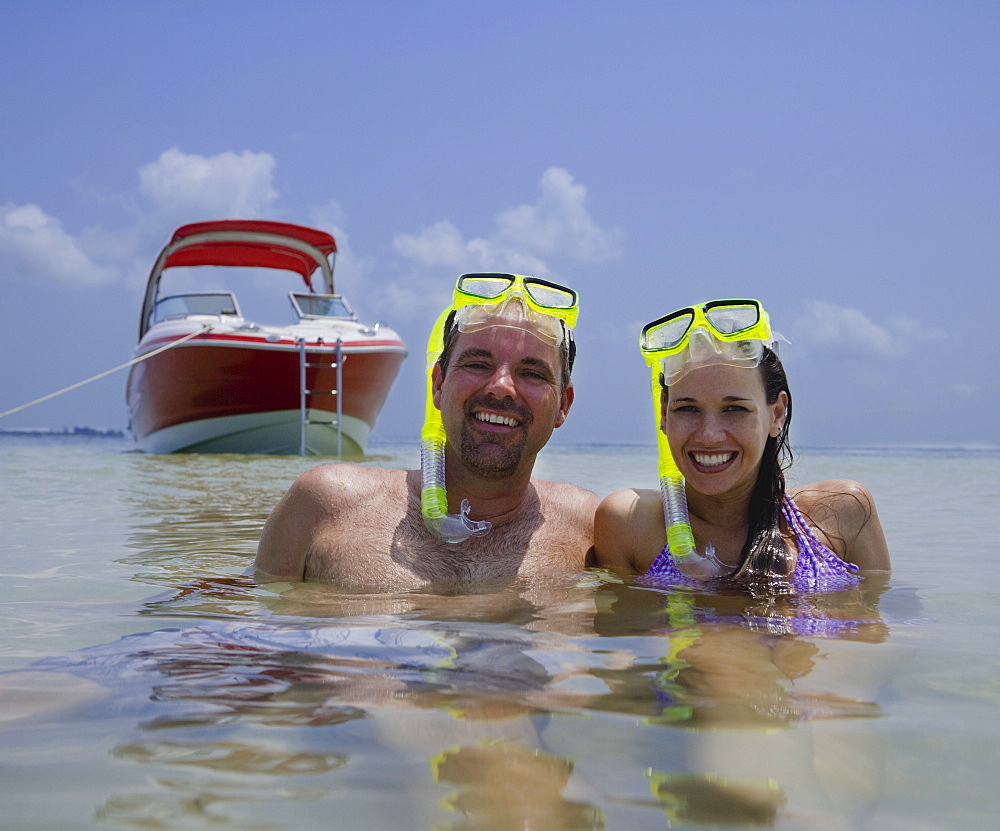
(500, 387)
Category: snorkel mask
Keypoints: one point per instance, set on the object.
(545, 309)
(731, 332)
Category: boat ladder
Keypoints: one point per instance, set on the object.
(337, 364)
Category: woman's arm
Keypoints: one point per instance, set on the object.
(628, 531)
(845, 512)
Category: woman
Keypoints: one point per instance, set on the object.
(724, 405)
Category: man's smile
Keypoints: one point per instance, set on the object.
(498, 415)
(494, 418)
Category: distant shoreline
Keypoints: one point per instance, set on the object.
(386, 442)
(64, 431)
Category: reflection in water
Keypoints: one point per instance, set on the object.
(233, 678)
(709, 800)
(750, 683)
(445, 679)
(202, 803)
(235, 773)
(507, 786)
(230, 756)
(726, 659)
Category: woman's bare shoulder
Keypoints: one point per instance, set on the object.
(844, 510)
(628, 529)
(630, 500)
(841, 496)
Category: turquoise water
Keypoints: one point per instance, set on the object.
(160, 688)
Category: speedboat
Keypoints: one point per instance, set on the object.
(205, 378)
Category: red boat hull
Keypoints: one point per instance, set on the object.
(213, 385)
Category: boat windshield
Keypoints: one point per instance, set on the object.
(214, 303)
(321, 305)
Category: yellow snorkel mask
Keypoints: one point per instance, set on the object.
(547, 310)
(483, 300)
(732, 332)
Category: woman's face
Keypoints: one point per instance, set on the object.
(717, 421)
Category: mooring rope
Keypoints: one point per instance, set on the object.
(100, 375)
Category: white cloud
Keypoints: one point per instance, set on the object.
(439, 245)
(410, 300)
(180, 187)
(39, 243)
(848, 333)
(237, 185)
(559, 224)
(441, 249)
(442, 246)
(329, 214)
(525, 239)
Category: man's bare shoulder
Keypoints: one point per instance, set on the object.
(566, 496)
(334, 496)
(344, 482)
(320, 502)
(566, 539)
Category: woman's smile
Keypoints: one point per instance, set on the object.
(712, 462)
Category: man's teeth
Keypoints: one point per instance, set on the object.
(497, 419)
(713, 459)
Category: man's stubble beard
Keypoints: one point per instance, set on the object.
(492, 459)
(489, 459)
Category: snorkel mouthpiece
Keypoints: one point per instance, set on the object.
(453, 528)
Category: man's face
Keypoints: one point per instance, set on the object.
(501, 398)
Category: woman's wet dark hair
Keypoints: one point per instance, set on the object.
(766, 562)
(567, 349)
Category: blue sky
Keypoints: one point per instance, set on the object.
(839, 161)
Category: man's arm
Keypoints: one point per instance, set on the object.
(291, 528)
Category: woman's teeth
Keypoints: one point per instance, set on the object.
(712, 459)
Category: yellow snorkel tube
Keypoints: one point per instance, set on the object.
(731, 332)
(480, 300)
